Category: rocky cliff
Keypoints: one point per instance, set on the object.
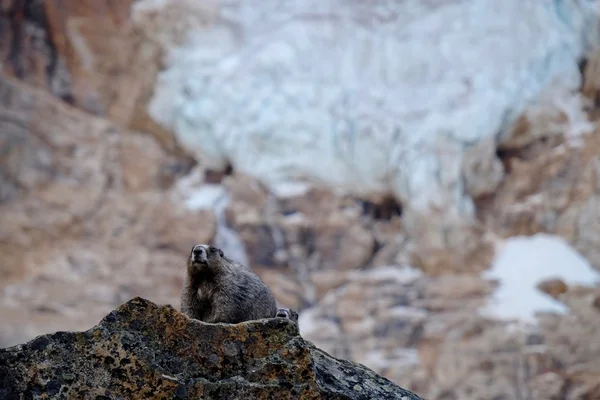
(143, 351)
(131, 130)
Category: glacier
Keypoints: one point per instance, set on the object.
(375, 97)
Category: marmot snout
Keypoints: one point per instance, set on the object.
(287, 313)
(201, 253)
(217, 289)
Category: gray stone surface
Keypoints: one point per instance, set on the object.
(141, 351)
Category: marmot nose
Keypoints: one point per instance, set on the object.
(199, 252)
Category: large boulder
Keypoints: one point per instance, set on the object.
(141, 351)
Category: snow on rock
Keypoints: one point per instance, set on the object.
(205, 197)
(521, 263)
(375, 97)
(290, 189)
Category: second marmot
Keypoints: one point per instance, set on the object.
(217, 289)
(287, 313)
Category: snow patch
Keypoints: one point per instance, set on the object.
(205, 197)
(290, 189)
(521, 263)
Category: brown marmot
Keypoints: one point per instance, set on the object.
(288, 313)
(217, 289)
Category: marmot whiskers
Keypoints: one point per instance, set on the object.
(217, 289)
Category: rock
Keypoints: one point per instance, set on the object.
(89, 214)
(86, 215)
(314, 237)
(596, 299)
(428, 333)
(548, 118)
(481, 169)
(434, 250)
(380, 309)
(548, 385)
(141, 350)
(87, 53)
(553, 287)
(591, 77)
(552, 186)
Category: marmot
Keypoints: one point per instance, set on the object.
(288, 313)
(217, 289)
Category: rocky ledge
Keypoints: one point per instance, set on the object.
(142, 351)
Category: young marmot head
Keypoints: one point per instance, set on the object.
(205, 258)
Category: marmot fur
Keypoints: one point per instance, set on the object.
(217, 289)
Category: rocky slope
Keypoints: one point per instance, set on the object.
(86, 217)
(99, 202)
(142, 351)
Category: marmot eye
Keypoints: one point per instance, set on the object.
(221, 253)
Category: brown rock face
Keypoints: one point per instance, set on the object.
(591, 77)
(427, 333)
(315, 238)
(142, 351)
(91, 214)
(553, 287)
(426, 330)
(86, 52)
(482, 171)
(550, 187)
(86, 216)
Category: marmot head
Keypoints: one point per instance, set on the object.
(287, 313)
(205, 258)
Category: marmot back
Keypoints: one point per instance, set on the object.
(217, 289)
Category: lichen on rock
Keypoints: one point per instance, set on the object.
(142, 350)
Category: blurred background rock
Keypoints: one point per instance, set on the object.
(420, 179)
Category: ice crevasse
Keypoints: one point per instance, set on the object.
(384, 96)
